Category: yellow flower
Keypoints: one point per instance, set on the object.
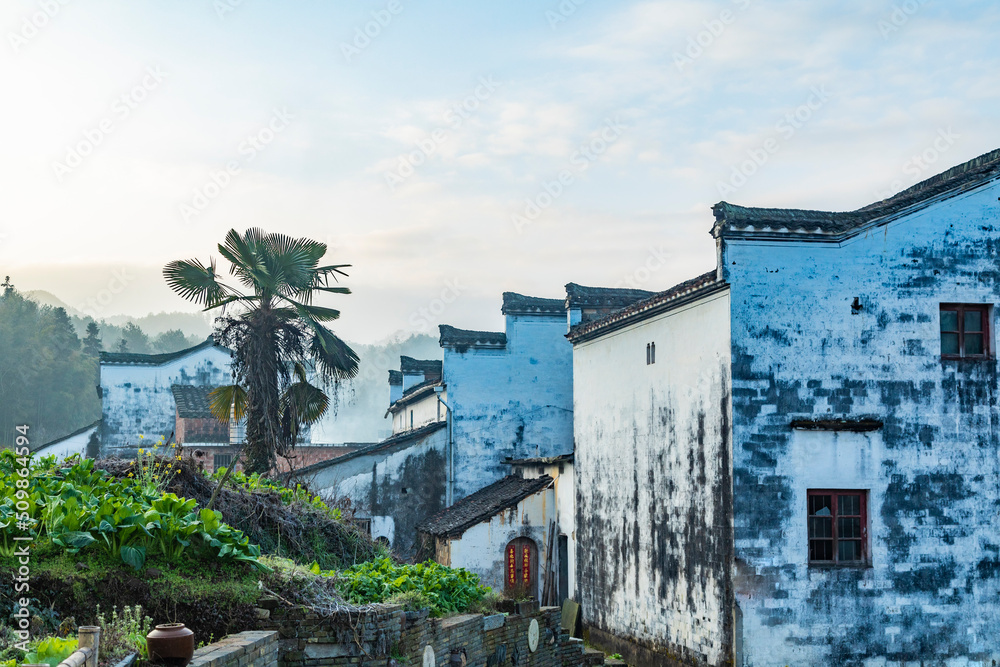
(130, 474)
(141, 450)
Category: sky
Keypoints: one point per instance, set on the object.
(453, 151)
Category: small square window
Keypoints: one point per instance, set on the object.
(222, 461)
(838, 527)
(965, 331)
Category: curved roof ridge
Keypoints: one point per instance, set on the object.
(750, 219)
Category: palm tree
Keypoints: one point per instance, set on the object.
(277, 335)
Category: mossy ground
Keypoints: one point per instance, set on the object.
(212, 598)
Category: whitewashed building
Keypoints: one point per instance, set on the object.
(794, 458)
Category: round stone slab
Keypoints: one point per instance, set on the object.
(533, 636)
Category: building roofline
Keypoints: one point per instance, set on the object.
(528, 487)
(131, 359)
(75, 433)
(413, 394)
(582, 296)
(736, 222)
(411, 366)
(463, 339)
(388, 443)
(519, 304)
(665, 301)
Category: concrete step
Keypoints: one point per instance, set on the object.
(592, 656)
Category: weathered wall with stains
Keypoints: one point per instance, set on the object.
(515, 402)
(653, 485)
(136, 398)
(801, 351)
(482, 548)
(397, 487)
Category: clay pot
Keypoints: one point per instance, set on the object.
(170, 644)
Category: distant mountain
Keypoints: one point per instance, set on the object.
(357, 411)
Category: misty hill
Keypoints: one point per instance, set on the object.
(357, 411)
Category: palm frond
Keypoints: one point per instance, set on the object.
(228, 402)
(334, 358)
(242, 253)
(318, 313)
(196, 282)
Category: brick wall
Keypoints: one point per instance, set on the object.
(201, 430)
(246, 649)
(387, 635)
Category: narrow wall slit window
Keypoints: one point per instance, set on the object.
(650, 353)
(838, 527)
(965, 331)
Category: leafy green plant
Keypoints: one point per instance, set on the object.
(125, 633)
(75, 506)
(51, 650)
(446, 590)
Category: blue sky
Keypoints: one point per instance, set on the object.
(649, 111)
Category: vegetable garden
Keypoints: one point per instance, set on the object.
(119, 533)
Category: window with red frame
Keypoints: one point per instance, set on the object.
(838, 527)
(965, 331)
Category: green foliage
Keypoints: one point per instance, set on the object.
(51, 650)
(76, 506)
(446, 590)
(274, 328)
(47, 379)
(299, 494)
(125, 633)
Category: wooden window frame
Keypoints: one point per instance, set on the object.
(960, 310)
(865, 560)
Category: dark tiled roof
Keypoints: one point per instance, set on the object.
(129, 359)
(463, 338)
(429, 367)
(483, 505)
(658, 303)
(735, 221)
(395, 377)
(579, 296)
(519, 304)
(192, 401)
(399, 438)
(79, 431)
(416, 392)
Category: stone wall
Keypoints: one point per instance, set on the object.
(246, 649)
(390, 636)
